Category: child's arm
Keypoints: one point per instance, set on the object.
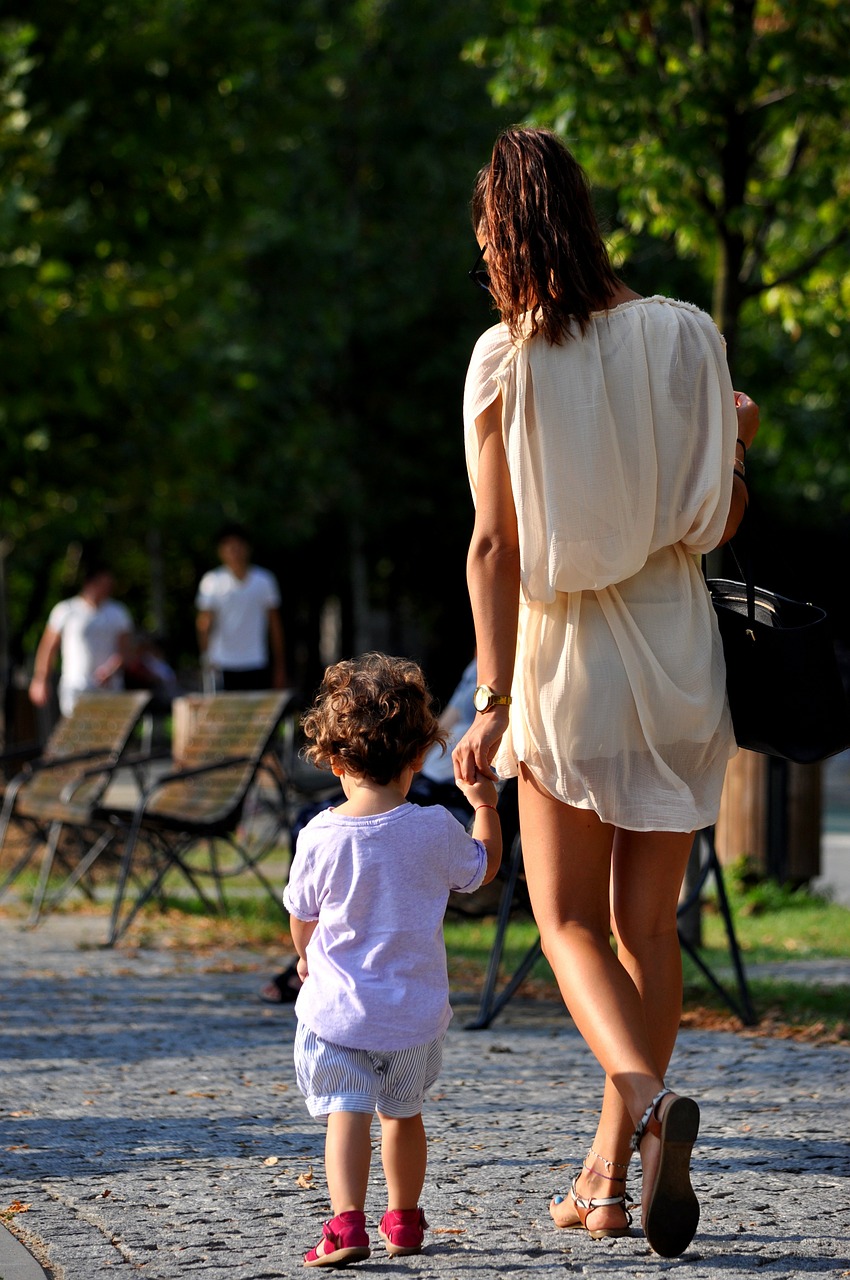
(302, 931)
(486, 826)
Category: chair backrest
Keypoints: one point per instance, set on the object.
(238, 726)
(100, 724)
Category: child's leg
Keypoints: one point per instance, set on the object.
(404, 1154)
(348, 1154)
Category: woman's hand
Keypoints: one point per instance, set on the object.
(472, 755)
(481, 792)
(748, 417)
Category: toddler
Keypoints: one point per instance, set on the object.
(366, 895)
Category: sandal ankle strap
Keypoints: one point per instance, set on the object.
(594, 1202)
(646, 1120)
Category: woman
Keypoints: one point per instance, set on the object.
(605, 448)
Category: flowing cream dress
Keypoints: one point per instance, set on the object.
(621, 446)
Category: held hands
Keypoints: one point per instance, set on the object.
(472, 755)
(748, 417)
(478, 793)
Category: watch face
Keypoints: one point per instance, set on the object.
(481, 698)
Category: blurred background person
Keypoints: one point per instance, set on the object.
(91, 633)
(240, 634)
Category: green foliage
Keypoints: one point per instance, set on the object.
(723, 132)
(233, 277)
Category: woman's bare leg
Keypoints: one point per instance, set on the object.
(622, 1006)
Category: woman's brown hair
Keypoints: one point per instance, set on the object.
(374, 716)
(545, 253)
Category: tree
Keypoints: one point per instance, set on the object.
(722, 130)
(236, 285)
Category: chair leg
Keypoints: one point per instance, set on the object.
(215, 872)
(20, 865)
(490, 1004)
(82, 867)
(5, 818)
(748, 1014)
(743, 1005)
(121, 888)
(44, 874)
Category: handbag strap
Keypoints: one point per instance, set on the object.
(746, 570)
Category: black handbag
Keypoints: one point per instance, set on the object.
(782, 678)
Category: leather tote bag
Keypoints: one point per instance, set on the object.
(782, 678)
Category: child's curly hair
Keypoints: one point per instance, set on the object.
(374, 715)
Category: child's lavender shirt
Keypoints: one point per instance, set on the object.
(378, 887)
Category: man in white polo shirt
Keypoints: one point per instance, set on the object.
(240, 634)
(93, 634)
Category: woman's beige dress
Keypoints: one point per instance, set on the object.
(621, 447)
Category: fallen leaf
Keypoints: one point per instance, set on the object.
(448, 1231)
(17, 1207)
(197, 1093)
(272, 1160)
(17, 1114)
(305, 1180)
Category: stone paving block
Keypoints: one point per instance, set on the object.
(150, 1118)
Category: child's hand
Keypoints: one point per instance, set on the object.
(303, 973)
(482, 791)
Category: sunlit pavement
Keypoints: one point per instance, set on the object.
(151, 1122)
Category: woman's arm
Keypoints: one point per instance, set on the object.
(493, 579)
(748, 425)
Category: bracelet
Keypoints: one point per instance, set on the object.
(740, 472)
(485, 806)
(743, 446)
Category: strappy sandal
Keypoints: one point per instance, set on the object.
(584, 1207)
(671, 1215)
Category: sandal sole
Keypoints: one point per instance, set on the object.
(600, 1233)
(339, 1257)
(398, 1250)
(672, 1215)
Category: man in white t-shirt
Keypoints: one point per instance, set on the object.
(240, 634)
(92, 633)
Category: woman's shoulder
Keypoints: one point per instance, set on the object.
(684, 314)
(494, 343)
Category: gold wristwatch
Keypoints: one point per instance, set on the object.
(484, 698)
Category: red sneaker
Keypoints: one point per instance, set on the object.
(344, 1240)
(403, 1230)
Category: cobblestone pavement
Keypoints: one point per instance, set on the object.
(150, 1119)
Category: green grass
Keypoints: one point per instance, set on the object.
(778, 922)
(773, 924)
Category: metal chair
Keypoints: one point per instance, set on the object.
(58, 791)
(491, 1003)
(202, 802)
